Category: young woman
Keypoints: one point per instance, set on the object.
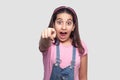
(64, 54)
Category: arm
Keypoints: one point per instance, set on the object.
(44, 44)
(83, 68)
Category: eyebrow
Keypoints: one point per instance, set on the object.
(61, 19)
(58, 19)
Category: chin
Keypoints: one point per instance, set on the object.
(64, 40)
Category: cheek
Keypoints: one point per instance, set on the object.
(70, 29)
(57, 28)
(73, 28)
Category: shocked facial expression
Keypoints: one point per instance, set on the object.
(64, 26)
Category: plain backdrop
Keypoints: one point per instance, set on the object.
(21, 24)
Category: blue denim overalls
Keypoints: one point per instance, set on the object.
(66, 73)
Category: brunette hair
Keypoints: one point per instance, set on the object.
(76, 41)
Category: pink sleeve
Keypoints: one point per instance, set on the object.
(85, 47)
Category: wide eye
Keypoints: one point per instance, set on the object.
(59, 22)
(69, 23)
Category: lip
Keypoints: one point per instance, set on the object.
(63, 32)
(63, 35)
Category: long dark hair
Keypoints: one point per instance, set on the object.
(76, 41)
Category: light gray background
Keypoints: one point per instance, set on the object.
(22, 21)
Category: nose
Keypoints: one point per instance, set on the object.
(63, 26)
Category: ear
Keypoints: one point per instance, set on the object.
(73, 27)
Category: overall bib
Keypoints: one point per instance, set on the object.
(59, 73)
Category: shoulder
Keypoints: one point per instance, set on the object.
(85, 47)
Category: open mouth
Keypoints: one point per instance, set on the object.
(63, 35)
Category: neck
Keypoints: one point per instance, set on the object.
(66, 43)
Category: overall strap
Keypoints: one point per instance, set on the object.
(57, 55)
(73, 57)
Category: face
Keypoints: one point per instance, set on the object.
(64, 26)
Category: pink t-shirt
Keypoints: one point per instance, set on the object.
(49, 58)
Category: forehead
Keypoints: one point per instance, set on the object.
(64, 16)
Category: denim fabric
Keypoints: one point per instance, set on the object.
(59, 73)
